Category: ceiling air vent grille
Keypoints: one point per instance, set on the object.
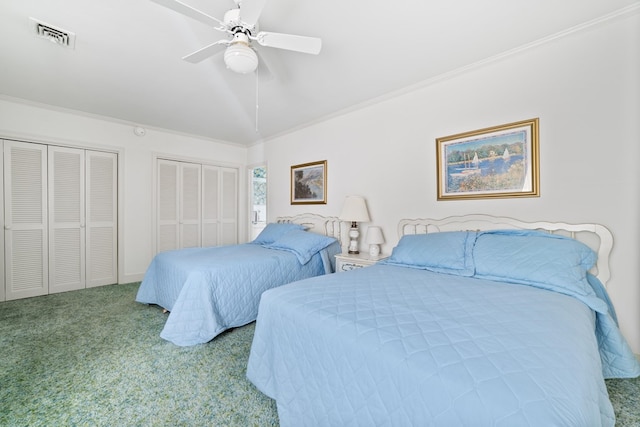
(53, 34)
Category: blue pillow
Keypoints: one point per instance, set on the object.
(302, 243)
(536, 258)
(273, 231)
(447, 252)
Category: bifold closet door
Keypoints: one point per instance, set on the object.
(2, 225)
(229, 211)
(190, 185)
(167, 206)
(178, 209)
(60, 211)
(101, 218)
(25, 212)
(82, 219)
(219, 206)
(210, 205)
(197, 205)
(67, 247)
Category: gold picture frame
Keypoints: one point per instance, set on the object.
(495, 162)
(309, 183)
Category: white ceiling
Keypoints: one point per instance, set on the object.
(127, 63)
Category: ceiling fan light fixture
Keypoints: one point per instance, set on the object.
(241, 58)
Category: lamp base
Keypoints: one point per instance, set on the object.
(374, 251)
(353, 236)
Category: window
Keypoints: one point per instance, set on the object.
(258, 216)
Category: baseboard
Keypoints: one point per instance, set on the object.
(130, 278)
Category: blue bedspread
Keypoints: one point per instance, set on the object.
(209, 290)
(389, 345)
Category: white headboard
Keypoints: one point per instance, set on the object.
(596, 236)
(325, 225)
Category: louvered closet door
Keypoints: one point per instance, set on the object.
(167, 209)
(178, 212)
(219, 206)
(229, 210)
(3, 296)
(210, 205)
(102, 218)
(197, 205)
(189, 205)
(25, 208)
(66, 219)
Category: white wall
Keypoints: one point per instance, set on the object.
(36, 124)
(585, 89)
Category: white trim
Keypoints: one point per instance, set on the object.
(131, 278)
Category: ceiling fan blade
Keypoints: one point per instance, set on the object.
(290, 42)
(189, 11)
(250, 11)
(205, 52)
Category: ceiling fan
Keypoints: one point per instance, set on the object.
(241, 26)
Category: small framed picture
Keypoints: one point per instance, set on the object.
(496, 162)
(309, 183)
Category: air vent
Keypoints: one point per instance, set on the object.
(53, 34)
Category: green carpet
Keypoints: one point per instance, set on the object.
(95, 358)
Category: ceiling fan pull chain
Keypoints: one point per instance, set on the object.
(257, 80)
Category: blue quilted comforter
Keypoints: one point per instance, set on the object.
(392, 345)
(209, 290)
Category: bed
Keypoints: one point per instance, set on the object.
(209, 290)
(473, 320)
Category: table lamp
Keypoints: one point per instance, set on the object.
(354, 210)
(374, 239)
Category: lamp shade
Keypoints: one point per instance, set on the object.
(239, 57)
(354, 209)
(374, 236)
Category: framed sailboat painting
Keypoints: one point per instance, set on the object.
(496, 162)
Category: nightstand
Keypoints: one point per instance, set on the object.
(346, 262)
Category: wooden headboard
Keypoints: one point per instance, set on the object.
(325, 225)
(596, 236)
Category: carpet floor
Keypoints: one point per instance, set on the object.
(95, 358)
